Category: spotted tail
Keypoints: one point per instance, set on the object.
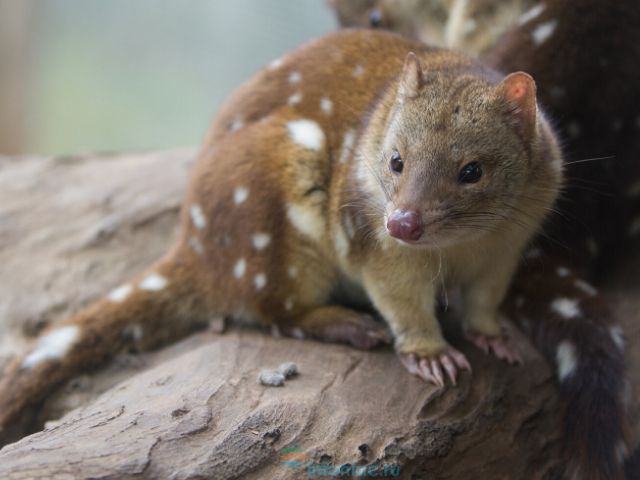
(155, 308)
(571, 323)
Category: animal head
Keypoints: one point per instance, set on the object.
(422, 19)
(455, 156)
(470, 25)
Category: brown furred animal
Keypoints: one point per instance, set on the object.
(361, 164)
(585, 57)
(472, 26)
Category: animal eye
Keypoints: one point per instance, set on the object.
(375, 18)
(396, 162)
(470, 173)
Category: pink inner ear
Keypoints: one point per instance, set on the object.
(517, 91)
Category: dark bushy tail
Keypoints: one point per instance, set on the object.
(572, 324)
(158, 306)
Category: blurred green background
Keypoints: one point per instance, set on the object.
(104, 75)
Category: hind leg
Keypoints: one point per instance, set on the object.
(339, 324)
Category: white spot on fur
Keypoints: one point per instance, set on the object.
(53, 345)
(358, 71)
(295, 98)
(240, 194)
(292, 272)
(634, 228)
(153, 283)
(307, 219)
(530, 14)
(236, 125)
(617, 336)
(261, 240)
(240, 268)
(562, 272)
(543, 31)
(277, 63)
(306, 133)
(121, 293)
(586, 287)
(196, 245)
(260, 280)
(197, 216)
(326, 105)
(566, 359)
(566, 307)
(295, 77)
(347, 145)
(288, 304)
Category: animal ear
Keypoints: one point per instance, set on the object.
(518, 91)
(411, 79)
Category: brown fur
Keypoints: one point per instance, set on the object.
(288, 203)
(472, 26)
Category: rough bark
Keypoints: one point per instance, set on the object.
(71, 228)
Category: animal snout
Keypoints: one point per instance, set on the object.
(405, 225)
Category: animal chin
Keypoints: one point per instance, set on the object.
(420, 244)
(424, 243)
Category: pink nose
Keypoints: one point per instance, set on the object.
(405, 225)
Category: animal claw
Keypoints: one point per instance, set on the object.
(501, 346)
(434, 368)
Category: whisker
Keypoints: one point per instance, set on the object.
(594, 159)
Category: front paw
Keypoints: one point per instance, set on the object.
(431, 368)
(502, 346)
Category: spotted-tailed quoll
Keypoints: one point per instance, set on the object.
(361, 165)
(585, 57)
(472, 26)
